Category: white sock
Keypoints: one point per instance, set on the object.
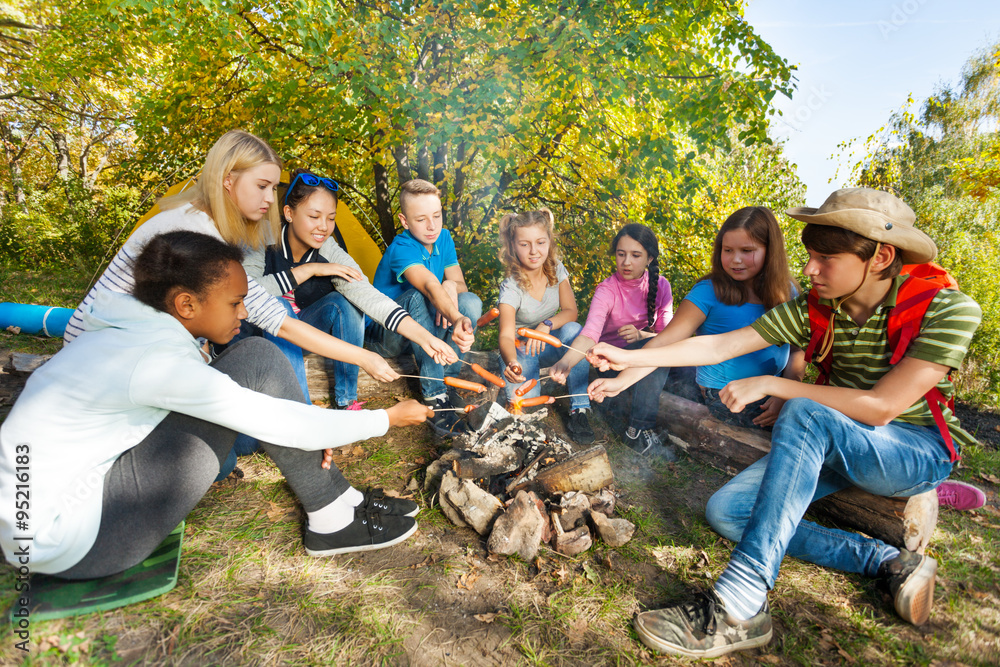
(336, 516)
(742, 589)
(352, 497)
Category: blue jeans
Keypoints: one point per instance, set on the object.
(576, 383)
(815, 451)
(333, 314)
(390, 344)
(645, 393)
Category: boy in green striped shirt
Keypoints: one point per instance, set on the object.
(870, 427)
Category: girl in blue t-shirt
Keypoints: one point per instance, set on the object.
(749, 277)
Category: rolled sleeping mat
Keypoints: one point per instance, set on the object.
(33, 319)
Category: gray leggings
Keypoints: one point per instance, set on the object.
(154, 485)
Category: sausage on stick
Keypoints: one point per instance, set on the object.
(464, 384)
(526, 387)
(488, 316)
(545, 338)
(533, 401)
(486, 375)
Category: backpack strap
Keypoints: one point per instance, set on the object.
(819, 323)
(912, 300)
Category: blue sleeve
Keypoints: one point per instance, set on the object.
(404, 254)
(447, 247)
(702, 295)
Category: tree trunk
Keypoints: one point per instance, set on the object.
(458, 191)
(62, 154)
(424, 163)
(383, 201)
(403, 173)
(732, 449)
(440, 169)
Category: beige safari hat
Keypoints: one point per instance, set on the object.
(876, 215)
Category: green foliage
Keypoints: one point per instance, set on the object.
(68, 226)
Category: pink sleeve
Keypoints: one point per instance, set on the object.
(600, 306)
(664, 305)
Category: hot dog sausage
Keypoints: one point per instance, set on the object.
(488, 316)
(535, 400)
(486, 375)
(538, 335)
(469, 408)
(526, 387)
(464, 384)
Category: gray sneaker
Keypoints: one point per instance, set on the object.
(909, 578)
(700, 627)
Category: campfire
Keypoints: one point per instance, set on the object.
(514, 479)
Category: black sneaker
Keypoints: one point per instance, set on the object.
(578, 427)
(448, 422)
(376, 501)
(642, 440)
(369, 531)
(700, 627)
(909, 578)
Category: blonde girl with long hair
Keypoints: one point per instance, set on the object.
(537, 295)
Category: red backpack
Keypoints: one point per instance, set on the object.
(912, 300)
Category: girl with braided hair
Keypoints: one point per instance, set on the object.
(628, 309)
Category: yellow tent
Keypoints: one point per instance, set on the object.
(360, 246)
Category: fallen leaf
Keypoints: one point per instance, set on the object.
(990, 478)
(591, 574)
(561, 575)
(468, 580)
(14, 330)
(420, 460)
(485, 618)
(279, 513)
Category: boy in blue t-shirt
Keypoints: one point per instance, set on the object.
(420, 271)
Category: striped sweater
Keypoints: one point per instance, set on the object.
(271, 268)
(263, 309)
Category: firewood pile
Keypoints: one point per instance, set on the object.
(514, 480)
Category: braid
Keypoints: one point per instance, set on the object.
(654, 282)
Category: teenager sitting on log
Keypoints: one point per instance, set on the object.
(121, 433)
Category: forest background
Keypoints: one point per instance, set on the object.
(606, 112)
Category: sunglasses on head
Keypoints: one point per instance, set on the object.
(312, 180)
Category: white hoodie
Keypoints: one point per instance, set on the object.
(102, 395)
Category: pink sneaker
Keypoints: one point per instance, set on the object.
(356, 405)
(960, 496)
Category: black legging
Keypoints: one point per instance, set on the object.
(154, 485)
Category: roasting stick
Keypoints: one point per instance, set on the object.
(467, 409)
(570, 396)
(418, 377)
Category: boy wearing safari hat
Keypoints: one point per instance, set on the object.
(872, 426)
